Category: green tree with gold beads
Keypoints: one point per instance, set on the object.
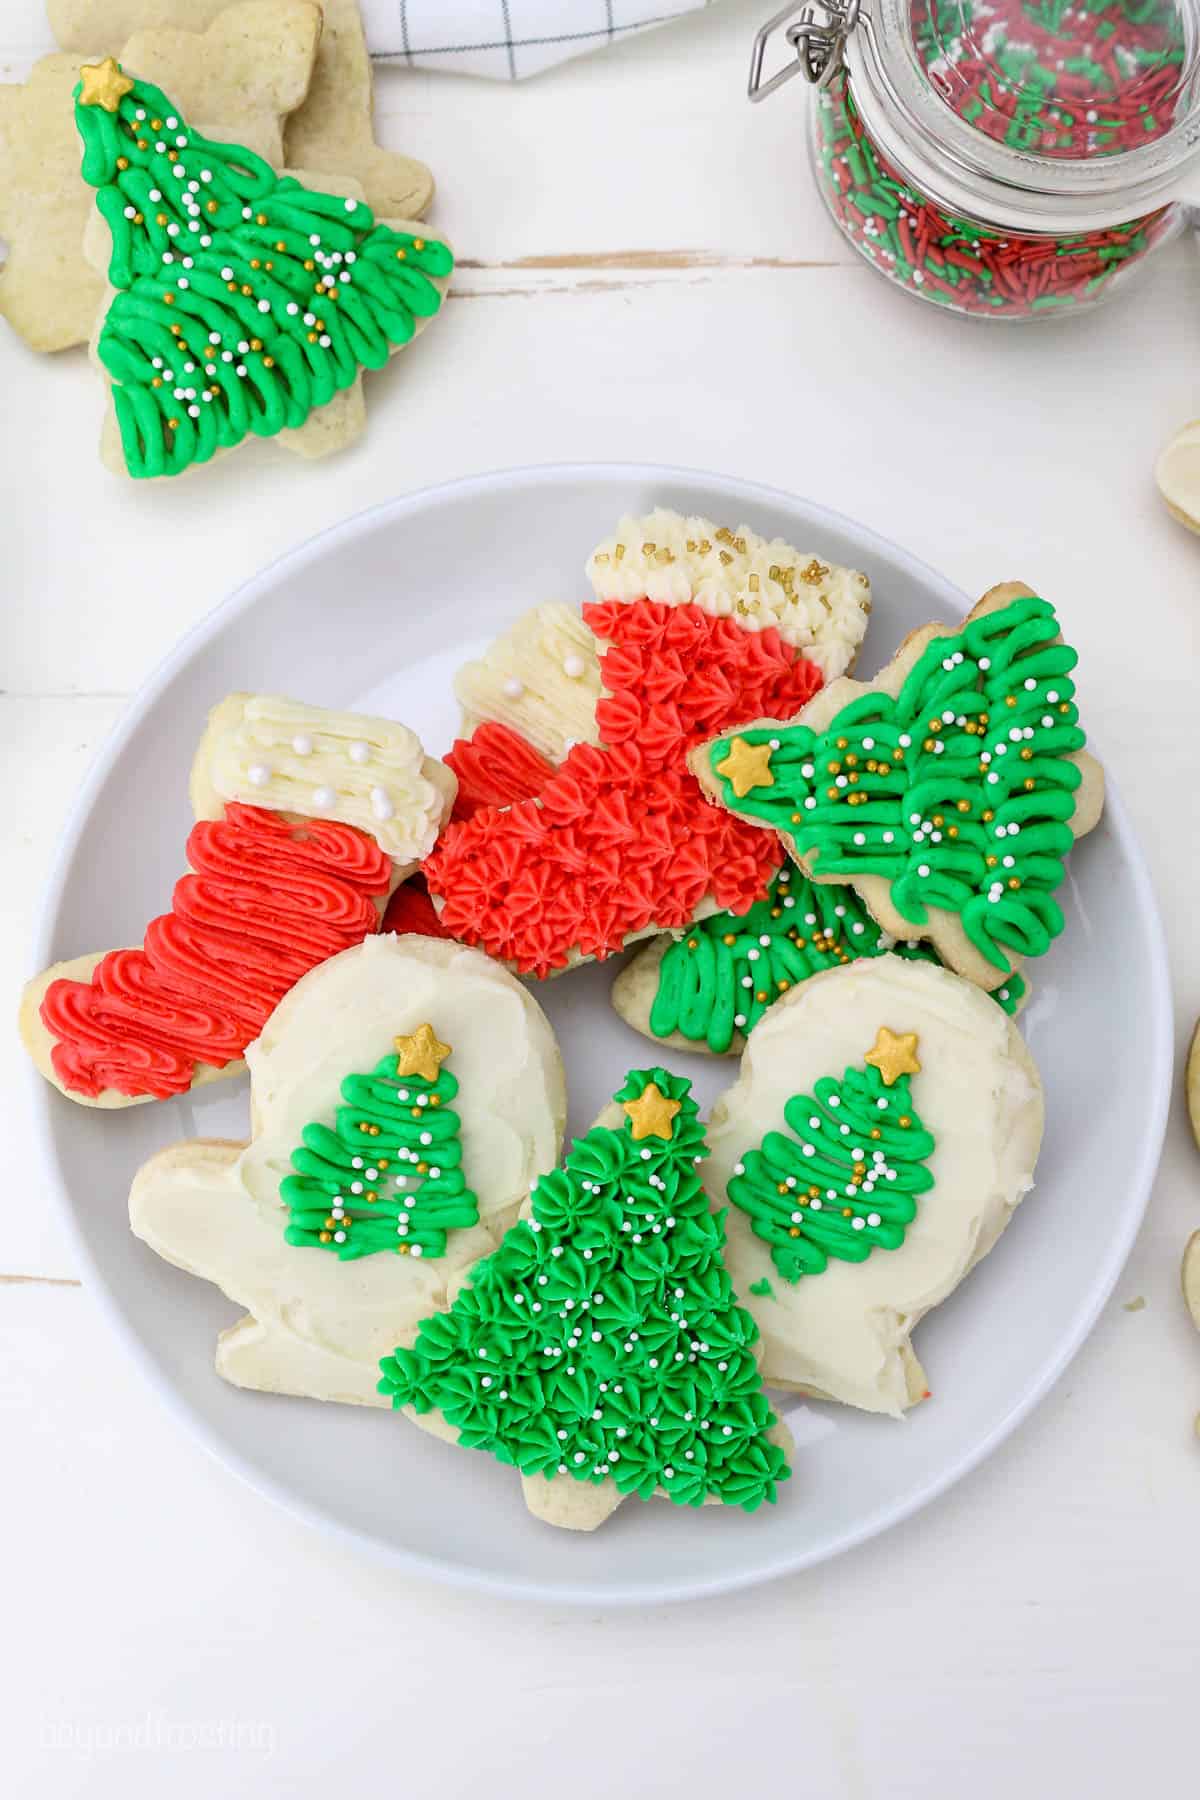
(388, 1175)
(245, 299)
(847, 1179)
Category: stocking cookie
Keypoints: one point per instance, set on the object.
(947, 792)
(707, 989)
(245, 301)
(332, 130)
(253, 64)
(601, 1349)
(541, 679)
(352, 806)
(391, 1146)
(885, 1124)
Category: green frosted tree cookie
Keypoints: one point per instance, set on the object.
(958, 793)
(245, 299)
(602, 1341)
(719, 978)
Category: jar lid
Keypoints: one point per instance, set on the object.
(1051, 114)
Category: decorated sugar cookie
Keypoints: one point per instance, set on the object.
(948, 792)
(306, 822)
(883, 1128)
(541, 679)
(245, 301)
(708, 988)
(392, 1145)
(601, 1349)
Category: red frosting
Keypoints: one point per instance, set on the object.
(268, 900)
(411, 909)
(495, 766)
(621, 840)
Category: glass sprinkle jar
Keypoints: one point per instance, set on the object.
(1007, 159)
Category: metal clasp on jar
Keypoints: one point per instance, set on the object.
(818, 37)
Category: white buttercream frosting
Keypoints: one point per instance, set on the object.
(814, 604)
(541, 678)
(358, 770)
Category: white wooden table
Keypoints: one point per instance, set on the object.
(646, 272)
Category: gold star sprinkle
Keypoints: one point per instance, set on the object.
(102, 84)
(421, 1054)
(651, 1114)
(747, 766)
(894, 1055)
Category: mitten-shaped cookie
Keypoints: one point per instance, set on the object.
(306, 821)
(883, 1128)
(403, 1097)
(602, 1350)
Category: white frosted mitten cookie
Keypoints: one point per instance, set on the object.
(602, 1349)
(885, 1124)
(403, 1098)
(306, 822)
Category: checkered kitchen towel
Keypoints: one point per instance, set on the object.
(506, 39)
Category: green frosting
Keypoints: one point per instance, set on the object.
(246, 299)
(959, 793)
(846, 1183)
(723, 974)
(603, 1340)
(388, 1176)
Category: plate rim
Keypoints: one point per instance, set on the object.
(478, 1578)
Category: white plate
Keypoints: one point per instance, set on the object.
(377, 613)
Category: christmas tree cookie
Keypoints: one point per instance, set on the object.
(246, 301)
(601, 1350)
(307, 820)
(885, 1123)
(707, 989)
(948, 792)
(403, 1098)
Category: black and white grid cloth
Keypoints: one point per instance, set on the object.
(506, 39)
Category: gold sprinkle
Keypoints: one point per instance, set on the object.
(752, 584)
(726, 558)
